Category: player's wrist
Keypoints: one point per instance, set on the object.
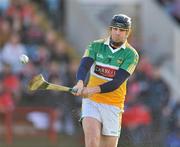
(94, 90)
(80, 83)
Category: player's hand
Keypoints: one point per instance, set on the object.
(78, 88)
(88, 91)
(85, 92)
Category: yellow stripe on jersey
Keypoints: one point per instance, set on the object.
(115, 97)
(86, 53)
(131, 68)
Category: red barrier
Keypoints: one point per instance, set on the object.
(8, 121)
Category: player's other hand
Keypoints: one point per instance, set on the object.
(78, 88)
(85, 92)
(88, 91)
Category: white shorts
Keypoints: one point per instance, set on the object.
(109, 116)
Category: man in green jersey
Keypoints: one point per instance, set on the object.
(110, 61)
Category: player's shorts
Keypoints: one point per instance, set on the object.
(109, 116)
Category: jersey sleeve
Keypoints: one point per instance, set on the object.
(90, 51)
(130, 62)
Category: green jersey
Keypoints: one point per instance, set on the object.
(106, 62)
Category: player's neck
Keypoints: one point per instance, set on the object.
(114, 44)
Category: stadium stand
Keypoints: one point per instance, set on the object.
(27, 28)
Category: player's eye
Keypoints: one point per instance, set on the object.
(115, 28)
(118, 29)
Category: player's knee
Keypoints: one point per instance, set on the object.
(92, 142)
(92, 131)
(92, 139)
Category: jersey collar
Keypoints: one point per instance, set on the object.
(123, 46)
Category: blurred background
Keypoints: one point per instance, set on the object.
(54, 34)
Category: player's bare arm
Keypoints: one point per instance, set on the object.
(84, 67)
(79, 86)
(87, 91)
(120, 77)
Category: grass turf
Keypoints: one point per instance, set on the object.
(42, 141)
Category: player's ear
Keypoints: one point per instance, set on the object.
(109, 31)
(129, 32)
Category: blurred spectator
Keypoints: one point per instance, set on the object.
(173, 138)
(176, 10)
(158, 95)
(27, 12)
(4, 4)
(5, 29)
(34, 32)
(144, 69)
(148, 95)
(140, 82)
(136, 121)
(43, 55)
(54, 11)
(13, 13)
(166, 4)
(71, 72)
(50, 39)
(172, 7)
(39, 55)
(12, 51)
(54, 69)
(65, 104)
(24, 30)
(136, 115)
(60, 52)
(11, 82)
(6, 99)
(174, 122)
(26, 74)
(74, 104)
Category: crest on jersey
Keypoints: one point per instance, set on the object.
(120, 61)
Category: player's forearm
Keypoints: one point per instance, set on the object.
(94, 90)
(87, 91)
(80, 83)
(78, 87)
(120, 77)
(84, 68)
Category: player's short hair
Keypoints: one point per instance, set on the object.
(121, 21)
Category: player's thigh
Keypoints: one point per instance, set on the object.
(111, 120)
(108, 141)
(92, 129)
(90, 116)
(91, 122)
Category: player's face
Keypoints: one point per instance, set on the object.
(118, 34)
